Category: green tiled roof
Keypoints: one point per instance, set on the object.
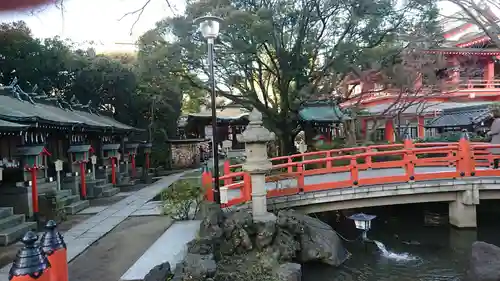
(322, 113)
(15, 110)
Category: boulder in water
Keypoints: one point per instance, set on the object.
(318, 241)
(484, 263)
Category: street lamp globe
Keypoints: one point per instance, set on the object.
(209, 26)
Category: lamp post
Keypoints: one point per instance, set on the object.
(209, 27)
(363, 222)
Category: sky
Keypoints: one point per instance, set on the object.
(99, 21)
(96, 20)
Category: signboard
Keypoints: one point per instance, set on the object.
(58, 165)
(93, 159)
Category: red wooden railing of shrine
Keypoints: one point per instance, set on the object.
(463, 159)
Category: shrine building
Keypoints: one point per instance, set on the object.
(52, 150)
(471, 77)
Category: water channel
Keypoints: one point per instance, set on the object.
(413, 249)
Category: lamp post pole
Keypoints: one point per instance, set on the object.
(209, 27)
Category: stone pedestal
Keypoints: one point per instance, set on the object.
(257, 164)
(462, 211)
(462, 216)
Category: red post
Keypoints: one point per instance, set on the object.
(113, 170)
(207, 184)
(300, 179)
(389, 130)
(34, 190)
(134, 170)
(83, 176)
(421, 127)
(247, 187)
(227, 171)
(354, 172)
(53, 246)
(30, 263)
(489, 73)
(146, 159)
(466, 159)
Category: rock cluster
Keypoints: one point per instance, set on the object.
(231, 246)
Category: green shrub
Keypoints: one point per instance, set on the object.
(182, 200)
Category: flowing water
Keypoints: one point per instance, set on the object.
(405, 249)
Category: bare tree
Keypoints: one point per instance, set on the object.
(481, 14)
(418, 76)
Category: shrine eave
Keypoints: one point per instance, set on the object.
(49, 116)
(465, 51)
(11, 126)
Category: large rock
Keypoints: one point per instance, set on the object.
(198, 267)
(289, 272)
(160, 272)
(211, 225)
(484, 263)
(318, 241)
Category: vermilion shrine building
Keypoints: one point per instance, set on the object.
(466, 47)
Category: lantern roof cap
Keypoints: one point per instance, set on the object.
(362, 217)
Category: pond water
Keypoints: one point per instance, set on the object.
(407, 248)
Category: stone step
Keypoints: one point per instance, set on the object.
(13, 234)
(11, 221)
(106, 186)
(76, 207)
(110, 192)
(68, 200)
(6, 212)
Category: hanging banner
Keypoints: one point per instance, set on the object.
(208, 132)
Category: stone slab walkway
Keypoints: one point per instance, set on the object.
(170, 247)
(84, 234)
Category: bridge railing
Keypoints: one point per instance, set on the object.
(443, 160)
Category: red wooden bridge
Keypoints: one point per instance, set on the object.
(366, 167)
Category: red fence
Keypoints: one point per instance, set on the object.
(462, 159)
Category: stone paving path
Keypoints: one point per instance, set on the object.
(84, 234)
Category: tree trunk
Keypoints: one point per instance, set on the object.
(287, 144)
(351, 135)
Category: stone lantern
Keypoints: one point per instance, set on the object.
(257, 163)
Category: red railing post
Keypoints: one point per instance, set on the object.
(409, 157)
(206, 179)
(227, 171)
(290, 167)
(354, 171)
(368, 159)
(328, 162)
(300, 177)
(466, 159)
(247, 187)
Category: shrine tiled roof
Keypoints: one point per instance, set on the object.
(322, 112)
(466, 51)
(28, 110)
(6, 125)
(460, 117)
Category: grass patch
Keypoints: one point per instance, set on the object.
(182, 199)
